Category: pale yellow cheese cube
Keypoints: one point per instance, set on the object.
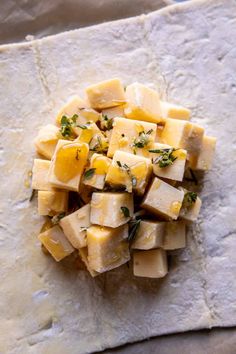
(204, 160)
(191, 206)
(171, 110)
(111, 113)
(40, 175)
(143, 103)
(149, 235)
(128, 135)
(163, 199)
(94, 137)
(75, 226)
(111, 209)
(130, 171)
(46, 140)
(81, 108)
(174, 171)
(175, 235)
(56, 243)
(183, 134)
(150, 264)
(67, 165)
(96, 173)
(52, 202)
(83, 252)
(106, 94)
(108, 248)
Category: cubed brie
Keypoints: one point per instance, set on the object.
(174, 171)
(46, 140)
(107, 247)
(190, 209)
(75, 226)
(130, 171)
(132, 136)
(143, 103)
(40, 175)
(150, 264)
(52, 202)
(175, 235)
(170, 110)
(68, 164)
(107, 209)
(149, 235)
(163, 199)
(83, 252)
(56, 243)
(106, 94)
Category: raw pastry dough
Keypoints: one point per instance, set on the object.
(188, 52)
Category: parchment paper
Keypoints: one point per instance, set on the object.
(17, 20)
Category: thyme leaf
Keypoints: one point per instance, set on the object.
(125, 211)
(89, 173)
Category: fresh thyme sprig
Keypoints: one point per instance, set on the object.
(124, 167)
(143, 139)
(125, 211)
(89, 173)
(133, 228)
(166, 157)
(189, 199)
(107, 122)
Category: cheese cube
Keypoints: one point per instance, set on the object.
(183, 134)
(143, 103)
(56, 243)
(174, 171)
(83, 252)
(68, 164)
(149, 235)
(40, 175)
(95, 175)
(175, 236)
(107, 247)
(113, 112)
(81, 108)
(46, 140)
(190, 207)
(111, 209)
(132, 136)
(92, 136)
(75, 226)
(106, 94)
(203, 161)
(130, 171)
(52, 202)
(150, 264)
(170, 110)
(163, 199)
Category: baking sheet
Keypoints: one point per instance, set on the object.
(22, 18)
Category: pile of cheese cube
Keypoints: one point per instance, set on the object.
(123, 152)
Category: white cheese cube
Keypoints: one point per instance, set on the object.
(183, 134)
(163, 199)
(130, 171)
(203, 161)
(175, 235)
(46, 140)
(96, 173)
(174, 171)
(81, 108)
(106, 94)
(170, 110)
(40, 175)
(132, 136)
(111, 209)
(191, 206)
(83, 252)
(149, 235)
(107, 247)
(75, 226)
(150, 264)
(143, 103)
(56, 243)
(67, 165)
(52, 202)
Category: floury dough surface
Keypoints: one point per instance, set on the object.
(188, 53)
